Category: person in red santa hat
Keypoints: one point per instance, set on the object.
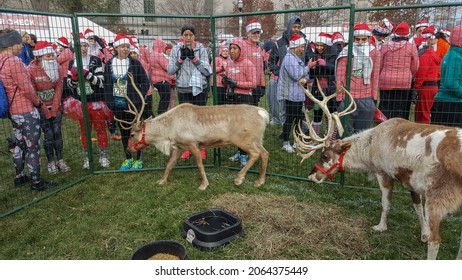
(400, 62)
(443, 44)
(365, 71)
(97, 45)
(419, 27)
(381, 32)
(98, 112)
(48, 83)
(426, 78)
(251, 49)
(64, 56)
(118, 87)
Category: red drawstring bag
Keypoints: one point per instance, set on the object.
(379, 117)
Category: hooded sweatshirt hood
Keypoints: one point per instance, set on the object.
(158, 45)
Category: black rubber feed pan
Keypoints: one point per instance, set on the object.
(163, 249)
(212, 228)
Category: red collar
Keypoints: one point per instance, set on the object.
(338, 164)
(141, 142)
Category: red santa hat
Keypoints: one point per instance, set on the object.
(362, 29)
(42, 48)
(253, 25)
(82, 39)
(337, 37)
(418, 41)
(121, 39)
(447, 32)
(324, 38)
(63, 42)
(429, 32)
(168, 47)
(135, 49)
(88, 33)
(422, 23)
(296, 41)
(384, 28)
(402, 30)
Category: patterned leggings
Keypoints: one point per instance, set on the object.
(26, 130)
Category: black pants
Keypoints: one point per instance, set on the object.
(164, 88)
(257, 94)
(294, 115)
(188, 97)
(395, 103)
(125, 133)
(447, 113)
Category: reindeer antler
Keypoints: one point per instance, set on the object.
(307, 145)
(131, 107)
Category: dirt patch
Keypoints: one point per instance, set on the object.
(281, 226)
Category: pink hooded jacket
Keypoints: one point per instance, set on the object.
(158, 63)
(256, 55)
(15, 77)
(243, 72)
(400, 61)
(220, 64)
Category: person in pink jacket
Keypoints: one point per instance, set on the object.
(24, 115)
(48, 83)
(160, 78)
(364, 78)
(135, 53)
(399, 65)
(240, 79)
(221, 62)
(251, 49)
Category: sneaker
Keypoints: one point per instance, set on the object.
(203, 154)
(104, 162)
(93, 139)
(41, 185)
(19, 181)
(235, 157)
(186, 154)
(126, 165)
(288, 148)
(243, 159)
(137, 164)
(52, 169)
(294, 145)
(86, 163)
(62, 166)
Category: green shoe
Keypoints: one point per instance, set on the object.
(137, 164)
(127, 164)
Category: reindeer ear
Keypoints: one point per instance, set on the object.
(345, 146)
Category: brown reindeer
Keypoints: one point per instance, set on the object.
(426, 159)
(191, 127)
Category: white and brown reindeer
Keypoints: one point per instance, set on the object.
(426, 159)
(191, 127)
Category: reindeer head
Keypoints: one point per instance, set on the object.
(137, 140)
(332, 153)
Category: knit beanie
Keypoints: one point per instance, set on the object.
(10, 39)
(189, 27)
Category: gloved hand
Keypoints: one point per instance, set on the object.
(74, 76)
(99, 41)
(87, 74)
(183, 53)
(321, 62)
(231, 83)
(190, 54)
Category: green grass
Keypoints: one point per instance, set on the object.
(112, 214)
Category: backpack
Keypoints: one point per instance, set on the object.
(4, 98)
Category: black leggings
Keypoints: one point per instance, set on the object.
(294, 115)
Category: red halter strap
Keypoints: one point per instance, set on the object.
(136, 145)
(338, 164)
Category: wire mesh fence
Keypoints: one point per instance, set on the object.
(80, 129)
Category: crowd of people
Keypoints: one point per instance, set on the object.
(390, 70)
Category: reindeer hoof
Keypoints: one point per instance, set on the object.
(379, 228)
(238, 181)
(161, 182)
(258, 183)
(203, 187)
(424, 238)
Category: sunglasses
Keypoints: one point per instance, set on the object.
(361, 39)
(256, 32)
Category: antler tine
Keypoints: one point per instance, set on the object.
(143, 103)
(131, 109)
(349, 109)
(121, 123)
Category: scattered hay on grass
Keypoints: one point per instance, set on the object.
(277, 226)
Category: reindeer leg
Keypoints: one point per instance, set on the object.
(253, 156)
(171, 163)
(425, 230)
(434, 240)
(264, 155)
(200, 166)
(386, 186)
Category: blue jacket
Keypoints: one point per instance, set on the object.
(24, 55)
(292, 69)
